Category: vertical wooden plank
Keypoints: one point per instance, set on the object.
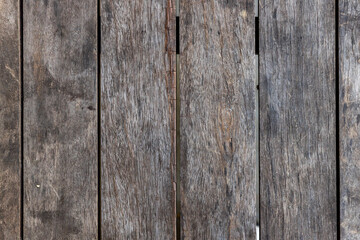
(60, 119)
(297, 119)
(218, 142)
(138, 119)
(9, 120)
(349, 56)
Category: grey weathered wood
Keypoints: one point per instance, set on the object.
(297, 119)
(137, 119)
(60, 119)
(349, 56)
(9, 121)
(217, 84)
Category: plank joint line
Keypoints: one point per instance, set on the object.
(257, 50)
(177, 123)
(257, 35)
(99, 114)
(337, 101)
(177, 36)
(21, 24)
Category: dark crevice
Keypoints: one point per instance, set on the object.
(257, 52)
(177, 35)
(257, 35)
(99, 113)
(178, 153)
(337, 97)
(21, 26)
(178, 199)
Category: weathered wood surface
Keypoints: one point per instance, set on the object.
(9, 120)
(60, 123)
(137, 119)
(217, 84)
(297, 119)
(349, 56)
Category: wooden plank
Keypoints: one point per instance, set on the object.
(349, 57)
(218, 143)
(60, 119)
(297, 119)
(9, 120)
(138, 119)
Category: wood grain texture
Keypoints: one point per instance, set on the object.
(297, 119)
(217, 84)
(9, 121)
(349, 56)
(138, 119)
(60, 123)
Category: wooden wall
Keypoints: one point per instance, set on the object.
(140, 119)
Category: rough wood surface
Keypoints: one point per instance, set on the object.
(60, 123)
(217, 84)
(137, 119)
(349, 56)
(9, 121)
(297, 119)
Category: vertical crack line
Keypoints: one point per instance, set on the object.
(21, 62)
(99, 112)
(258, 151)
(257, 35)
(257, 122)
(178, 149)
(337, 135)
(178, 153)
(177, 36)
(257, 131)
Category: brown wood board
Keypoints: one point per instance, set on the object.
(138, 119)
(217, 119)
(10, 148)
(297, 119)
(60, 119)
(349, 72)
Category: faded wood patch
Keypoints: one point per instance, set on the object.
(349, 53)
(60, 127)
(10, 166)
(217, 84)
(138, 119)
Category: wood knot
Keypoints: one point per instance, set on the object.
(225, 130)
(225, 119)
